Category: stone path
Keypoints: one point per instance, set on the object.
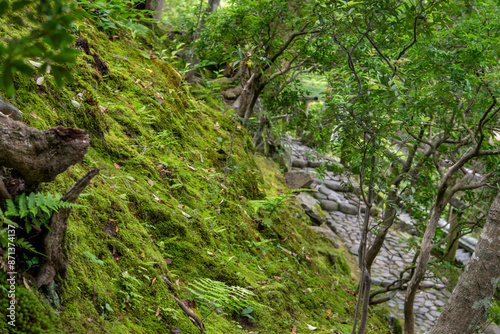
(341, 208)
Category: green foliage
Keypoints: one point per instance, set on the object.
(36, 208)
(48, 40)
(212, 294)
(32, 315)
(115, 14)
(272, 205)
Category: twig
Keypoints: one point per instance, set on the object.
(190, 313)
(230, 150)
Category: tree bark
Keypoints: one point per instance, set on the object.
(423, 259)
(55, 261)
(471, 297)
(156, 6)
(39, 156)
(453, 219)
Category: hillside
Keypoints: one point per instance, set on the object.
(159, 212)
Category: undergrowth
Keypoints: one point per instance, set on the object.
(159, 209)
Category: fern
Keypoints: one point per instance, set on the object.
(272, 205)
(4, 236)
(36, 208)
(214, 294)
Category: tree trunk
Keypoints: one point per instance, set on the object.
(453, 219)
(55, 261)
(425, 253)
(39, 156)
(156, 6)
(471, 297)
(213, 5)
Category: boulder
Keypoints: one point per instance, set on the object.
(314, 164)
(8, 109)
(312, 208)
(324, 190)
(348, 208)
(329, 205)
(330, 236)
(336, 186)
(336, 197)
(299, 163)
(319, 195)
(232, 93)
(298, 179)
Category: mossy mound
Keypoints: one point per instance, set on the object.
(159, 209)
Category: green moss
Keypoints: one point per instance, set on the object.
(159, 209)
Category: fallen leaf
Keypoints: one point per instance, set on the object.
(142, 255)
(177, 283)
(168, 261)
(216, 126)
(151, 183)
(186, 215)
(191, 167)
(34, 63)
(312, 328)
(277, 278)
(154, 280)
(26, 284)
(211, 254)
(294, 329)
(89, 320)
(75, 104)
(157, 312)
(160, 101)
(121, 317)
(117, 166)
(40, 80)
(180, 206)
(34, 115)
(201, 158)
(307, 257)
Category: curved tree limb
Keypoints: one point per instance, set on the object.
(55, 261)
(39, 156)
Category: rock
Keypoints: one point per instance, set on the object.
(175, 331)
(336, 197)
(324, 190)
(319, 195)
(329, 235)
(8, 109)
(232, 93)
(348, 209)
(492, 329)
(299, 163)
(312, 208)
(314, 164)
(329, 205)
(336, 186)
(298, 179)
(426, 285)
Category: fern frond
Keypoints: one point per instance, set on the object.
(22, 204)
(214, 294)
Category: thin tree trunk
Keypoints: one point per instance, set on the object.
(156, 6)
(453, 218)
(425, 253)
(470, 300)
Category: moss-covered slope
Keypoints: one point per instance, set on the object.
(159, 209)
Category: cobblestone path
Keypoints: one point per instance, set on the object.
(341, 208)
